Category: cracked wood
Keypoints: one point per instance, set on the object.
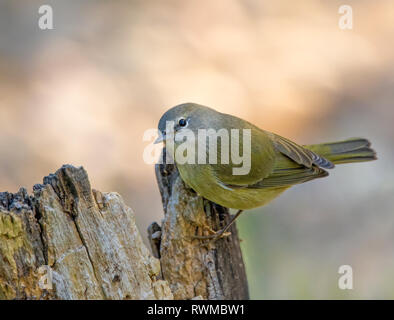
(88, 239)
(193, 268)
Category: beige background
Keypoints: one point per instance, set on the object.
(85, 92)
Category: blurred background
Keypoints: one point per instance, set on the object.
(85, 92)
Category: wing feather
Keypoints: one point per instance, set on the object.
(287, 173)
(300, 154)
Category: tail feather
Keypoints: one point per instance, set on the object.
(347, 151)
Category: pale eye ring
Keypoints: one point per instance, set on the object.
(182, 122)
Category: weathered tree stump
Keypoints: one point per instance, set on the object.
(84, 243)
(196, 268)
(67, 241)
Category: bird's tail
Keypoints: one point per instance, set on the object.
(347, 151)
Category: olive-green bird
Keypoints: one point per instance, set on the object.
(276, 162)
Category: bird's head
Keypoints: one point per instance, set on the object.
(190, 116)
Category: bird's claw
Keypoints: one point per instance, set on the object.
(213, 237)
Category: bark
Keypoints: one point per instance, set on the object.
(67, 241)
(82, 241)
(195, 268)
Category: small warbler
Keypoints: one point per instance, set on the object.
(275, 163)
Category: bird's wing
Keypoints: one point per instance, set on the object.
(288, 173)
(285, 174)
(294, 164)
(299, 154)
(275, 162)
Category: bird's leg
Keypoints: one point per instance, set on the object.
(222, 232)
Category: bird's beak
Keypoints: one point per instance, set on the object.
(161, 138)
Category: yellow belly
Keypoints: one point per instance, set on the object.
(206, 185)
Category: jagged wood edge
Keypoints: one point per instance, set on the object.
(192, 269)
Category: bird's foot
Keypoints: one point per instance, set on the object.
(214, 236)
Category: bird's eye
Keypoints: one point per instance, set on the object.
(182, 122)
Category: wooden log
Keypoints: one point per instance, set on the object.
(67, 241)
(195, 268)
(71, 242)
